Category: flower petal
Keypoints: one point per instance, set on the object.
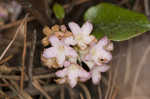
(60, 59)
(50, 52)
(109, 47)
(97, 58)
(72, 77)
(54, 41)
(87, 57)
(66, 63)
(70, 52)
(90, 64)
(61, 81)
(102, 68)
(107, 56)
(74, 27)
(73, 82)
(69, 41)
(61, 73)
(96, 76)
(102, 42)
(84, 74)
(88, 39)
(82, 45)
(87, 28)
(83, 79)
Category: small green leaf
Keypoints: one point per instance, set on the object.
(59, 11)
(117, 23)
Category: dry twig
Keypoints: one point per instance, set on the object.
(85, 89)
(81, 96)
(71, 93)
(40, 88)
(6, 59)
(108, 85)
(128, 61)
(147, 9)
(24, 53)
(47, 88)
(3, 94)
(99, 92)
(115, 93)
(32, 47)
(11, 42)
(12, 88)
(15, 23)
(14, 77)
(139, 68)
(114, 78)
(22, 94)
(62, 93)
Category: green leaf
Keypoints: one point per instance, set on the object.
(117, 23)
(59, 11)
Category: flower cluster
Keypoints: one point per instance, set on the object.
(68, 50)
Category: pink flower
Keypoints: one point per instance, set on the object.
(98, 54)
(72, 74)
(96, 73)
(69, 41)
(59, 50)
(109, 47)
(82, 35)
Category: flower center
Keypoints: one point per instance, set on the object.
(73, 67)
(79, 37)
(61, 49)
(93, 52)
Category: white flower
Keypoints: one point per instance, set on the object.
(59, 50)
(72, 74)
(82, 35)
(69, 41)
(109, 47)
(98, 54)
(96, 73)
